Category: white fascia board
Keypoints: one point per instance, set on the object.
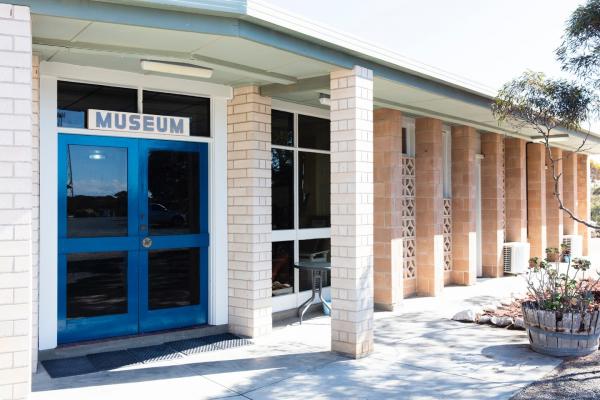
(283, 20)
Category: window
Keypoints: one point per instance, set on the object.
(300, 183)
(74, 99)
(197, 109)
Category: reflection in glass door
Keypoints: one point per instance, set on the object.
(133, 236)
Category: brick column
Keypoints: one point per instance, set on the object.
(464, 207)
(15, 202)
(352, 211)
(429, 206)
(249, 211)
(492, 204)
(387, 214)
(583, 198)
(35, 208)
(569, 192)
(515, 189)
(536, 198)
(554, 216)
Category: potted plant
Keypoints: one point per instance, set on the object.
(562, 315)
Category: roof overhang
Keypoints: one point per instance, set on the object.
(249, 42)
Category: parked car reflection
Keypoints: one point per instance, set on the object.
(161, 216)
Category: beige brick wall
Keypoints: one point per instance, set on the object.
(492, 204)
(352, 211)
(465, 141)
(387, 213)
(249, 211)
(429, 206)
(15, 201)
(515, 187)
(536, 198)
(569, 193)
(554, 216)
(583, 196)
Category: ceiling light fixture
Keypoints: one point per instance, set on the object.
(324, 99)
(174, 68)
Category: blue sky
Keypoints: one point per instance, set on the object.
(486, 41)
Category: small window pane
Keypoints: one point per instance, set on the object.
(197, 109)
(283, 268)
(313, 133)
(314, 190)
(282, 187)
(404, 141)
(282, 128)
(74, 99)
(173, 278)
(96, 284)
(314, 250)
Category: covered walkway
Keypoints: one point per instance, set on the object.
(419, 353)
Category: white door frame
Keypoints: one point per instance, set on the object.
(50, 74)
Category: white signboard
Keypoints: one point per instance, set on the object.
(144, 123)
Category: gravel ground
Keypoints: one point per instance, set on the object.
(573, 379)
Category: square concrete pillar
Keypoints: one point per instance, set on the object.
(429, 206)
(16, 199)
(536, 198)
(583, 196)
(554, 216)
(352, 211)
(249, 211)
(387, 213)
(465, 143)
(515, 189)
(492, 204)
(569, 191)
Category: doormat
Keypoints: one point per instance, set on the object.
(112, 360)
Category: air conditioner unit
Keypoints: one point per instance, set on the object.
(516, 257)
(574, 244)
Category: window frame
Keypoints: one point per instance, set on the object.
(296, 234)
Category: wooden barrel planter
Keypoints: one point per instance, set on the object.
(561, 334)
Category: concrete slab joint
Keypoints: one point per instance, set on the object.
(352, 211)
(16, 203)
(249, 212)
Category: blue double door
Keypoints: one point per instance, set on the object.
(132, 236)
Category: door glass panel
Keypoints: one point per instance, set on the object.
(173, 278)
(96, 191)
(313, 132)
(96, 284)
(173, 192)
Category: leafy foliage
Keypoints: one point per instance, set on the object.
(544, 104)
(561, 291)
(580, 50)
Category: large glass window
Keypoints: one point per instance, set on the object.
(197, 109)
(300, 197)
(74, 99)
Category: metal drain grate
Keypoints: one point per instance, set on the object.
(117, 359)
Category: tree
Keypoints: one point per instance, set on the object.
(547, 105)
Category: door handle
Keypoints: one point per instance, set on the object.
(146, 242)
